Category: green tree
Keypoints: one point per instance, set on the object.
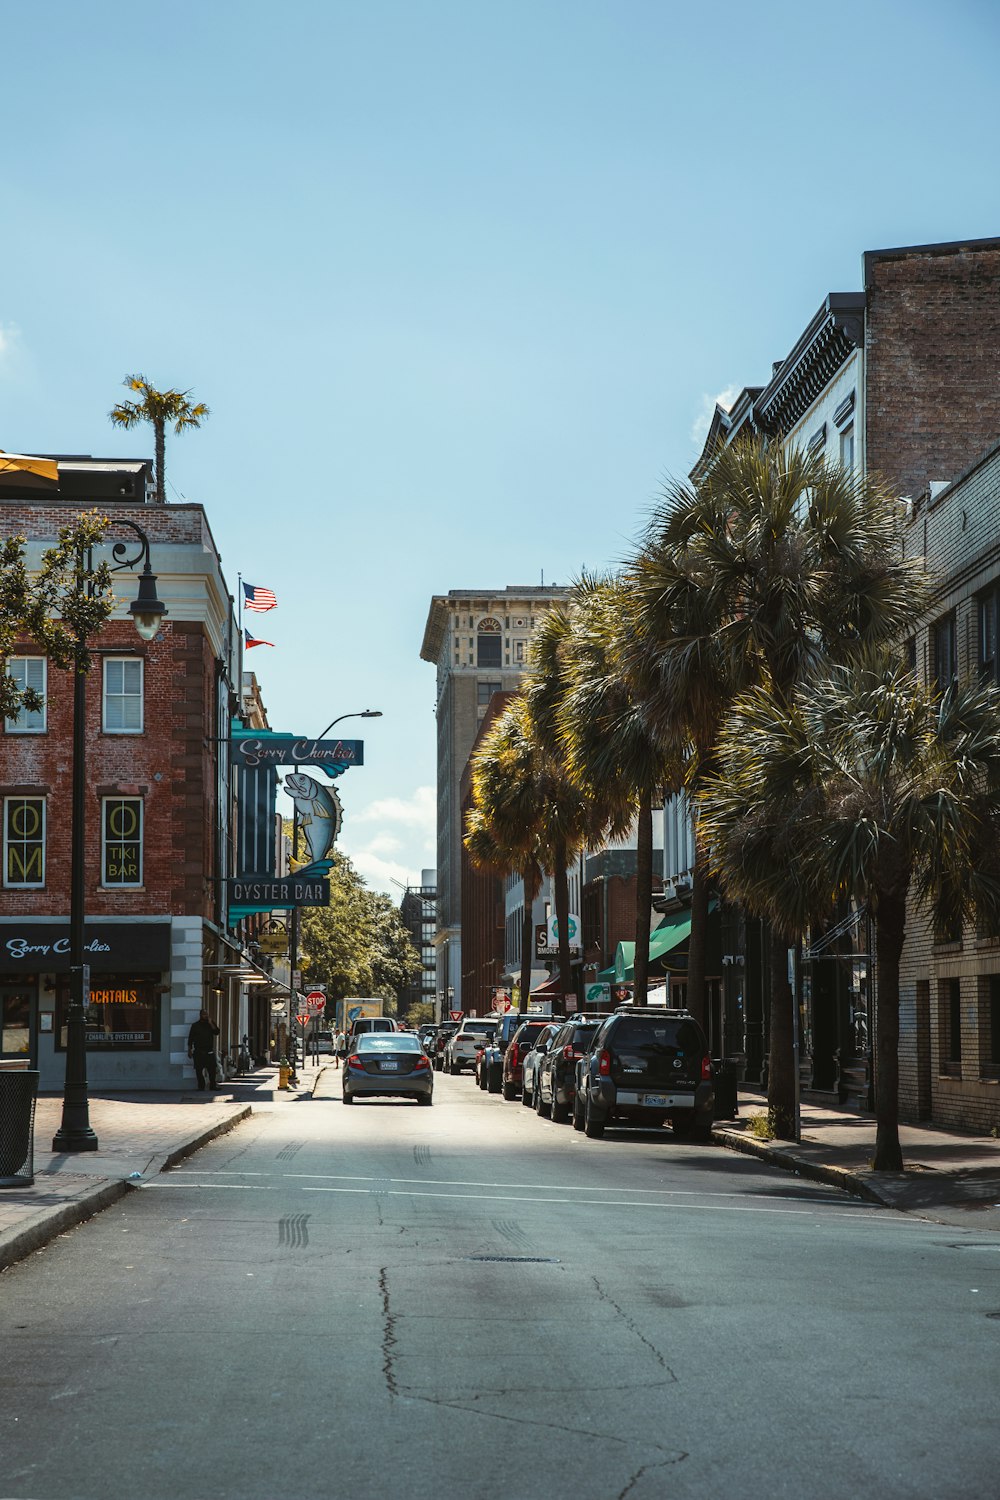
(612, 752)
(567, 818)
(773, 564)
(55, 607)
(357, 945)
(158, 408)
(864, 784)
(501, 831)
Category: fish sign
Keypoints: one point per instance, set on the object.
(319, 811)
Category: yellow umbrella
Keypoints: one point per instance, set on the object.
(17, 463)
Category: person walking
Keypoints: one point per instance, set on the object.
(339, 1048)
(201, 1047)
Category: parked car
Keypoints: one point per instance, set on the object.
(460, 1049)
(482, 1067)
(440, 1042)
(518, 1048)
(324, 1041)
(391, 1063)
(644, 1067)
(532, 1060)
(506, 1026)
(555, 1075)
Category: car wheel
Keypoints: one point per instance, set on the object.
(577, 1113)
(348, 1098)
(593, 1128)
(452, 1069)
(702, 1128)
(541, 1108)
(559, 1111)
(510, 1092)
(481, 1079)
(495, 1081)
(425, 1099)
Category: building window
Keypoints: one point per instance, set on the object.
(489, 643)
(518, 652)
(945, 643)
(121, 841)
(989, 1026)
(989, 609)
(24, 841)
(123, 1014)
(950, 1026)
(122, 695)
(485, 691)
(847, 447)
(28, 672)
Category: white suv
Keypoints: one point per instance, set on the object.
(460, 1051)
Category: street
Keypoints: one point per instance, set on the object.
(468, 1301)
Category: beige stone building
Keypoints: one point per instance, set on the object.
(478, 640)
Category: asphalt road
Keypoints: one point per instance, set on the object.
(466, 1302)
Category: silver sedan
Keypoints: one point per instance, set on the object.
(389, 1063)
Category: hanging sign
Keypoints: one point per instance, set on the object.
(267, 892)
(261, 747)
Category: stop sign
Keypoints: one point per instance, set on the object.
(316, 1001)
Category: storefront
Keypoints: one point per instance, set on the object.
(128, 1015)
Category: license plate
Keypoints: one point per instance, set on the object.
(656, 1101)
(390, 1067)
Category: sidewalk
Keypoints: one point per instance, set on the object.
(949, 1177)
(138, 1136)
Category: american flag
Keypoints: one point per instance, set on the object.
(254, 597)
(253, 641)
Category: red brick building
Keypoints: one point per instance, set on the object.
(158, 813)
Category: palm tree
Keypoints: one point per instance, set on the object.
(865, 785)
(158, 408)
(497, 834)
(569, 818)
(773, 564)
(611, 751)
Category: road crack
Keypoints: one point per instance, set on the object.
(632, 1327)
(634, 1478)
(388, 1336)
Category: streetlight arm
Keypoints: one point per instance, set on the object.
(365, 713)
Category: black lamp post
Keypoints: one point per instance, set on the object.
(75, 1134)
(365, 713)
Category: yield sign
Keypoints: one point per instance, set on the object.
(456, 1015)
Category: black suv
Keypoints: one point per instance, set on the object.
(492, 1062)
(555, 1079)
(646, 1066)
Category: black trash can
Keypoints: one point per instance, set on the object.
(18, 1090)
(725, 1074)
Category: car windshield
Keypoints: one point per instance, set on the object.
(480, 1028)
(528, 1035)
(396, 1041)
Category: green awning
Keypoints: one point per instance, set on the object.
(672, 931)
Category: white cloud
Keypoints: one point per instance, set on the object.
(418, 811)
(391, 840)
(702, 422)
(9, 337)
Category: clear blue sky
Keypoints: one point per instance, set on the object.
(458, 280)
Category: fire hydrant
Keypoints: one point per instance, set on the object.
(284, 1074)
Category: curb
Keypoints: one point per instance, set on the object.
(48, 1223)
(839, 1177)
(35, 1233)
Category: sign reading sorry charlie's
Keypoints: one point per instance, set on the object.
(265, 892)
(262, 747)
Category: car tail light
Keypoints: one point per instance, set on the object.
(604, 1064)
(513, 1052)
(420, 1064)
(354, 1061)
(706, 1067)
(570, 1052)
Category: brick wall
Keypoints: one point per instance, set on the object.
(169, 765)
(933, 360)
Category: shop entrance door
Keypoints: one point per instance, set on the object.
(17, 1032)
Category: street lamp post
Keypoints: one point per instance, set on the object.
(365, 713)
(75, 1133)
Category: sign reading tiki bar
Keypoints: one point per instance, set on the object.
(290, 890)
(110, 947)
